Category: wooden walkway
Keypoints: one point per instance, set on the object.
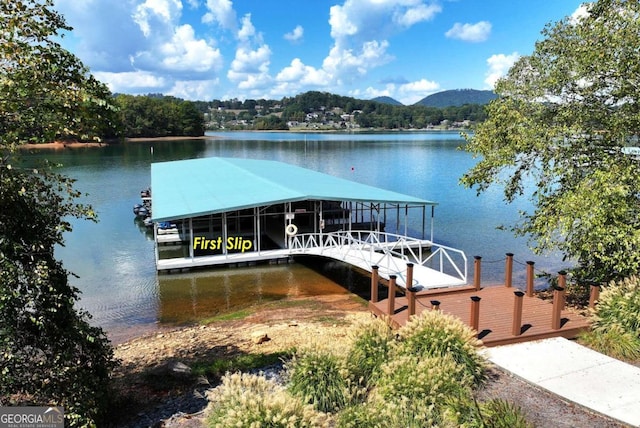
(495, 313)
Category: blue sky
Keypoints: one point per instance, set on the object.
(223, 49)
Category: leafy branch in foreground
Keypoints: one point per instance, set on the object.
(556, 134)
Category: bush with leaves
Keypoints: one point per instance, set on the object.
(616, 326)
(50, 354)
(247, 400)
(434, 334)
(318, 378)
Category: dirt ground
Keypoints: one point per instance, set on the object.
(149, 400)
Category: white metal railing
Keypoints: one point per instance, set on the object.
(373, 247)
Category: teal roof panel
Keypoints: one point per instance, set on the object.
(195, 187)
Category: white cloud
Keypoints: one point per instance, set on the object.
(250, 67)
(165, 11)
(295, 34)
(303, 74)
(412, 92)
(581, 12)
(222, 13)
(185, 52)
(419, 13)
(196, 90)
(478, 32)
(499, 65)
(132, 82)
(247, 31)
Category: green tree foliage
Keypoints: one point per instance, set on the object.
(46, 93)
(159, 116)
(558, 128)
(49, 354)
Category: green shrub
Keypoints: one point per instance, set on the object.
(371, 348)
(429, 380)
(619, 304)
(498, 413)
(318, 378)
(400, 413)
(434, 334)
(245, 400)
(613, 341)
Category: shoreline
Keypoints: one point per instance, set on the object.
(60, 145)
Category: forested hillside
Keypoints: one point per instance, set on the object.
(457, 98)
(159, 116)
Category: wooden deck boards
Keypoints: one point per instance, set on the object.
(496, 313)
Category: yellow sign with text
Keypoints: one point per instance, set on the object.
(233, 243)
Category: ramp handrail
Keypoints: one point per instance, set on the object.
(372, 247)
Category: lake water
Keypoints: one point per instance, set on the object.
(114, 258)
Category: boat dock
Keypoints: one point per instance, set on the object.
(500, 314)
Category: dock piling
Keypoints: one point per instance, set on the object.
(375, 280)
(391, 300)
(475, 312)
(435, 305)
(409, 280)
(411, 297)
(508, 271)
(477, 264)
(530, 266)
(557, 307)
(516, 328)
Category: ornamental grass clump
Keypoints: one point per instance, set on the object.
(616, 325)
(371, 348)
(251, 401)
(319, 378)
(434, 334)
(402, 412)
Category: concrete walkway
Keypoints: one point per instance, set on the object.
(576, 373)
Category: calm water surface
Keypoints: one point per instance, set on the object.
(114, 258)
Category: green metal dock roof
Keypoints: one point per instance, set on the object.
(195, 187)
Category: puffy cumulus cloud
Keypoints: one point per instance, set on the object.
(478, 32)
(136, 82)
(347, 65)
(196, 90)
(416, 14)
(373, 19)
(412, 92)
(295, 35)
(104, 34)
(298, 72)
(407, 93)
(222, 13)
(247, 31)
(185, 52)
(250, 67)
(163, 12)
(499, 65)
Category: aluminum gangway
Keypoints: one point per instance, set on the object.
(435, 265)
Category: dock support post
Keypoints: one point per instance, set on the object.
(557, 307)
(435, 305)
(594, 295)
(411, 297)
(477, 272)
(475, 312)
(375, 280)
(562, 283)
(391, 308)
(530, 265)
(409, 280)
(516, 328)
(508, 271)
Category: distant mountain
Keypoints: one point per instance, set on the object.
(457, 97)
(387, 100)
